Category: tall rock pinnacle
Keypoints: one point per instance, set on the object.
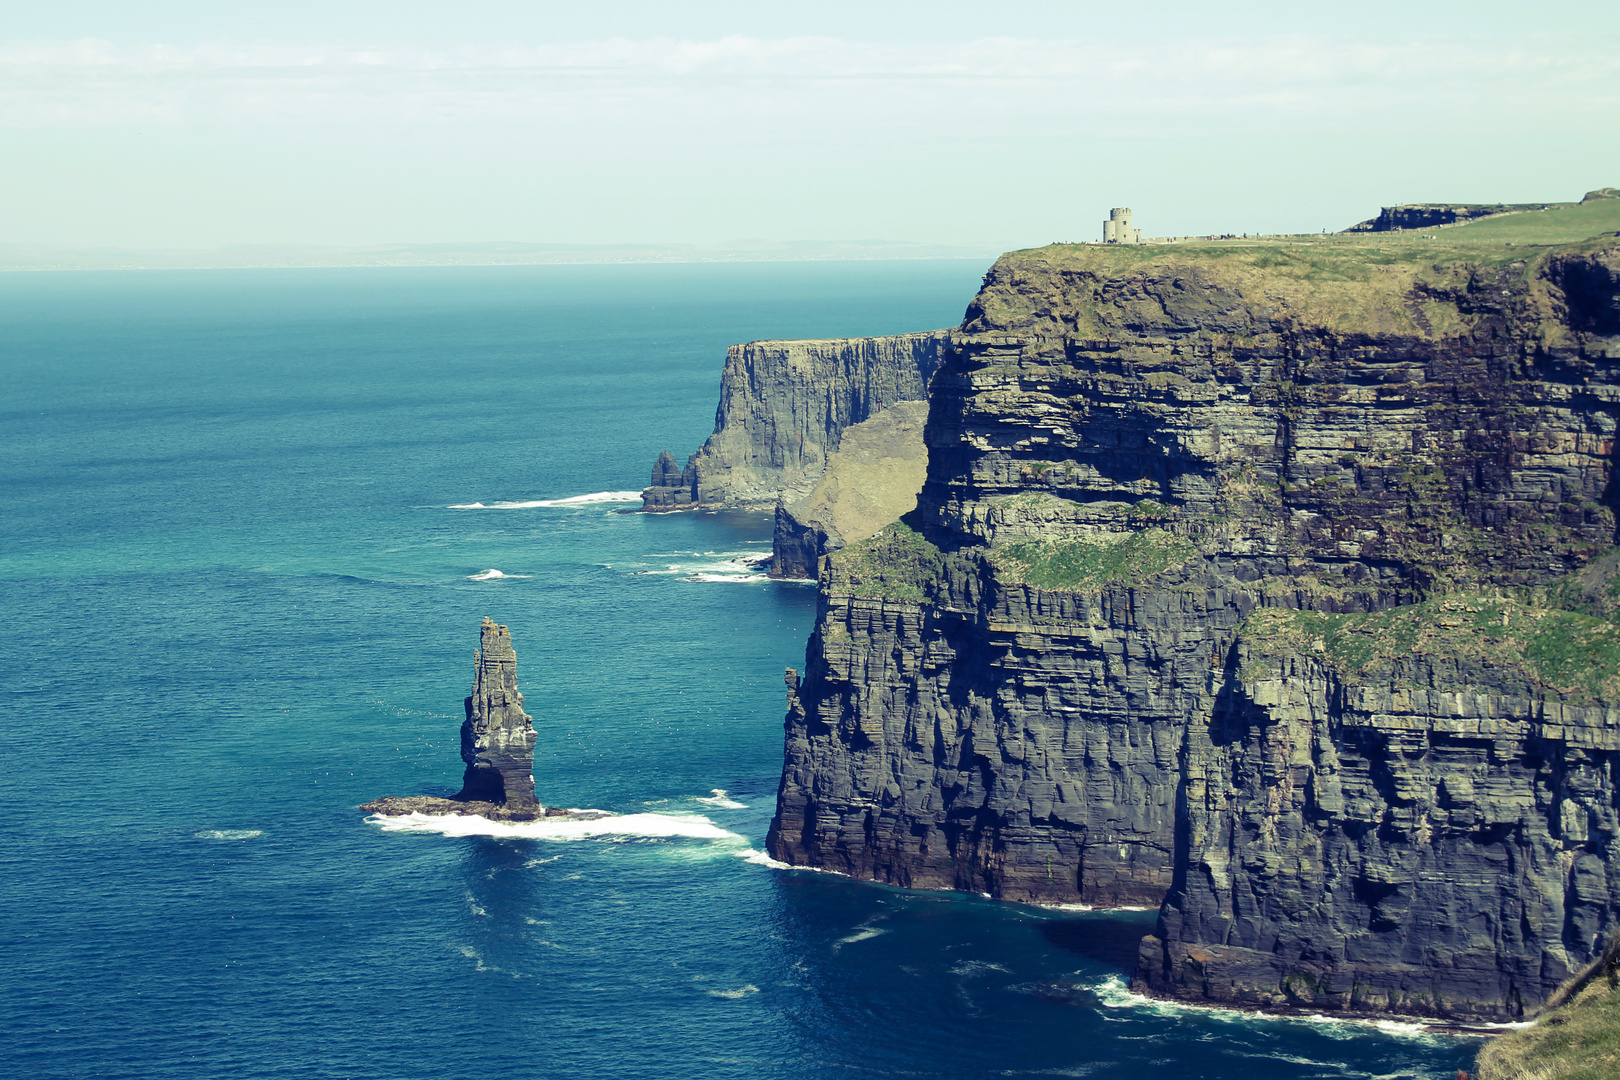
(497, 739)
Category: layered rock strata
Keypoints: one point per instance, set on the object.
(497, 744)
(784, 406)
(1070, 676)
(872, 479)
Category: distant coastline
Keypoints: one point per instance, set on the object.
(17, 257)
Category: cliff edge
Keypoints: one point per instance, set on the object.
(784, 406)
(1241, 585)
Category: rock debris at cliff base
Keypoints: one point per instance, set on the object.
(1266, 582)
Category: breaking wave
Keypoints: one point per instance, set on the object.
(493, 574)
(740, 992)
(717, 798)
(572, 500)
(228, 834)
(731, 567)
(611, 827)
(1113, 993)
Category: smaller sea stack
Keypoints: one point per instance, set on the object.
(497, 743)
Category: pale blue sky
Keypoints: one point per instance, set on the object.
(204, 124)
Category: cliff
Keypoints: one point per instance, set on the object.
(784, 406)
(872, 479)
(497, 744)
(1240, 585)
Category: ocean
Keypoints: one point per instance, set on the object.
(251, 522)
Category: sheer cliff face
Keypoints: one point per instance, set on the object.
(783, 407)
(497, 738)
(1071, 684)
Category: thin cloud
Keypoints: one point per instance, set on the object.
(1018, 83)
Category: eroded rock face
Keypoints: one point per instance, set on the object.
(870, 480)
(1430, 837)
(497, 743)
(1059, 683)
(784, 406)
(497, 738)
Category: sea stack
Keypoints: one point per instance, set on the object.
(497, 738)
(497, 743)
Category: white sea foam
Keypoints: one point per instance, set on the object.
(726, 567)
(493, 574)
(733, 568)
(717, 798)
(609, 827)
(760, 858)
(572, 500)
(863, 933)
(1113, 993)
(228, 834)
(740, 992)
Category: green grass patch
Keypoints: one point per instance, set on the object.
(896, 564)
(1566, 224)
(1579, 1039)
(1573, 655)
(1092, 564)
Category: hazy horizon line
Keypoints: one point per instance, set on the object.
(247, 255)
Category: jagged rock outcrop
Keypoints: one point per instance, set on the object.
(870, 480)
(1063, 678)
(497, 743)
(784, 406)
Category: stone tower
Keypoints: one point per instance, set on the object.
(1117, 229)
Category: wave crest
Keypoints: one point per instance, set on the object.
(612, 827)
(572, 500)
(717, 797)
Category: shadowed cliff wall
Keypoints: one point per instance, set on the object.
(1057, 681)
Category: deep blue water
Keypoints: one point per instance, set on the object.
(237, 603)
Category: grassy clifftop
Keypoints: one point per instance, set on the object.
(1376, 283)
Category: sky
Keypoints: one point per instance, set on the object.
(198, 125)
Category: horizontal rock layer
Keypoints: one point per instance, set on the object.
(783, 408)
(1060, 682)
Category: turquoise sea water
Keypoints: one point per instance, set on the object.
(237, 601)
